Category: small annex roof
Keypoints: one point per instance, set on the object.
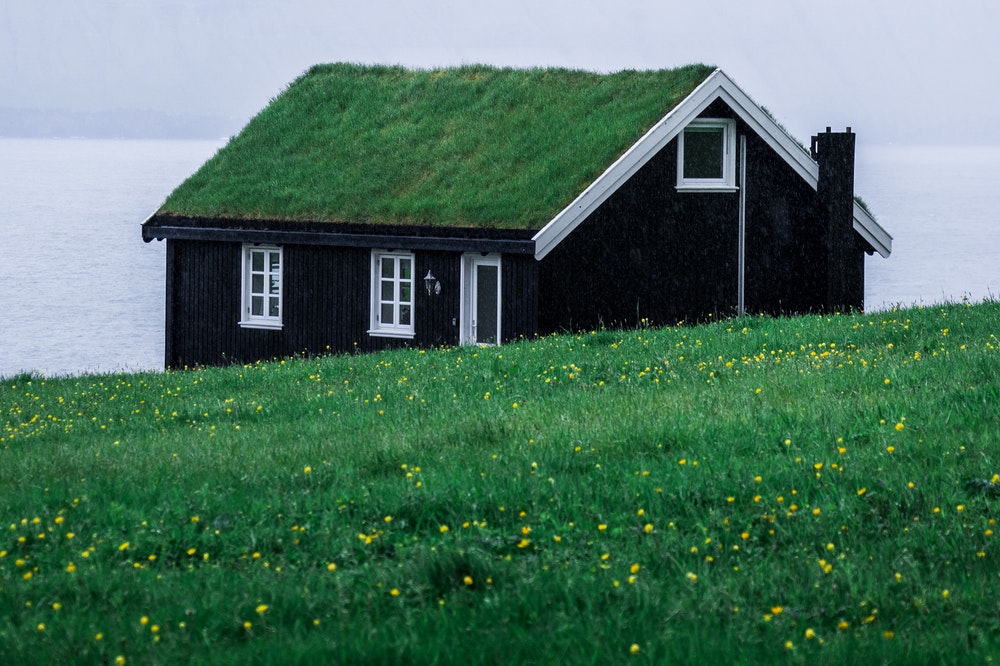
(475, 146)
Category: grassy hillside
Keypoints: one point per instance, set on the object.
(817, 489)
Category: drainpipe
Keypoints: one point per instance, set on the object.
(844, 278)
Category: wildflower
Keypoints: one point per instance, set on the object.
(467, 580)
(862, 491)
(810, 634)
(843, 625)
(634, 568)
(394, 592)
(124, 546)
(648, 528)
(524, 543)
(634, 648)
(899, 427)
(602, 527)
(443, 529)
(307, 470)
(261, 609)
(691, 577)
(777, 610)
(331, 567)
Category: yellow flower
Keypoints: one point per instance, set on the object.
(810, 634)
(634, 648)
(634, 568)
(307, 470)
(842, 625)
(394, 592)
(899, 426)
(777, 610)
(602, 527)
(443, 529)
(261, 609)
(648, 528)
(691, 577)
(467, 580)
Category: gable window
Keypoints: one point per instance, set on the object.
(392, 294)
(706, 156)
(261, 287)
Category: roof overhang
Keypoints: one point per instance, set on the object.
(153, 231)
(717, 86)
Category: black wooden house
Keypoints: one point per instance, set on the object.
(370, 207)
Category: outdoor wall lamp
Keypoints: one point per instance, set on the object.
(432, 283)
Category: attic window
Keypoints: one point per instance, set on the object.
(706, 156)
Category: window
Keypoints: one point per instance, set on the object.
(392, 294)
(706, 156)
(261, 286)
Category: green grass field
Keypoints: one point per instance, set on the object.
(820, 489)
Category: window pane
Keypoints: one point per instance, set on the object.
(275, 261)
(275, 284)
(404, 315)
(257, 260)
(273, 310)
(404, 293)
(387, 267)
(388, 290)
(257, 284)
(387, 317)
(257, 306)
(486, 304)
(703, 152)
(404, 269)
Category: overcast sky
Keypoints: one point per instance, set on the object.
(897, 72)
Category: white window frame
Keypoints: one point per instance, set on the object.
(727, 183)
(395, 329)
(263, 320)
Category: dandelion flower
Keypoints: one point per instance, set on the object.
(634, 648)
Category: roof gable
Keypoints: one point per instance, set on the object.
(472, 146)
(717, 86)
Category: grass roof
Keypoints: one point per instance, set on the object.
(470, 146)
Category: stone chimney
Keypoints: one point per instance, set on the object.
(844, 258)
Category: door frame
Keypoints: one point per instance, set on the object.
(467, 324)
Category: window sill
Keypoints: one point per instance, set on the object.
(707, 188)
(261, 324)
(376, 333)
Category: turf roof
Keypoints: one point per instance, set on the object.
(473, 146)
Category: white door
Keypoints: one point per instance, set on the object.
(480, 314)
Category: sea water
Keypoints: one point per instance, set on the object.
(81, 292)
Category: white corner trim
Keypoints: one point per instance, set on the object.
(716, 86)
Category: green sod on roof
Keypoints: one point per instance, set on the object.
(472, 146)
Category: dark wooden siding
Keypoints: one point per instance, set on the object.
(651, 252)
(326, 303)
(648, 253)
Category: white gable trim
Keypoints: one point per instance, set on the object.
(716, 86)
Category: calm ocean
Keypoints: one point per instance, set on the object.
(80, 292)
